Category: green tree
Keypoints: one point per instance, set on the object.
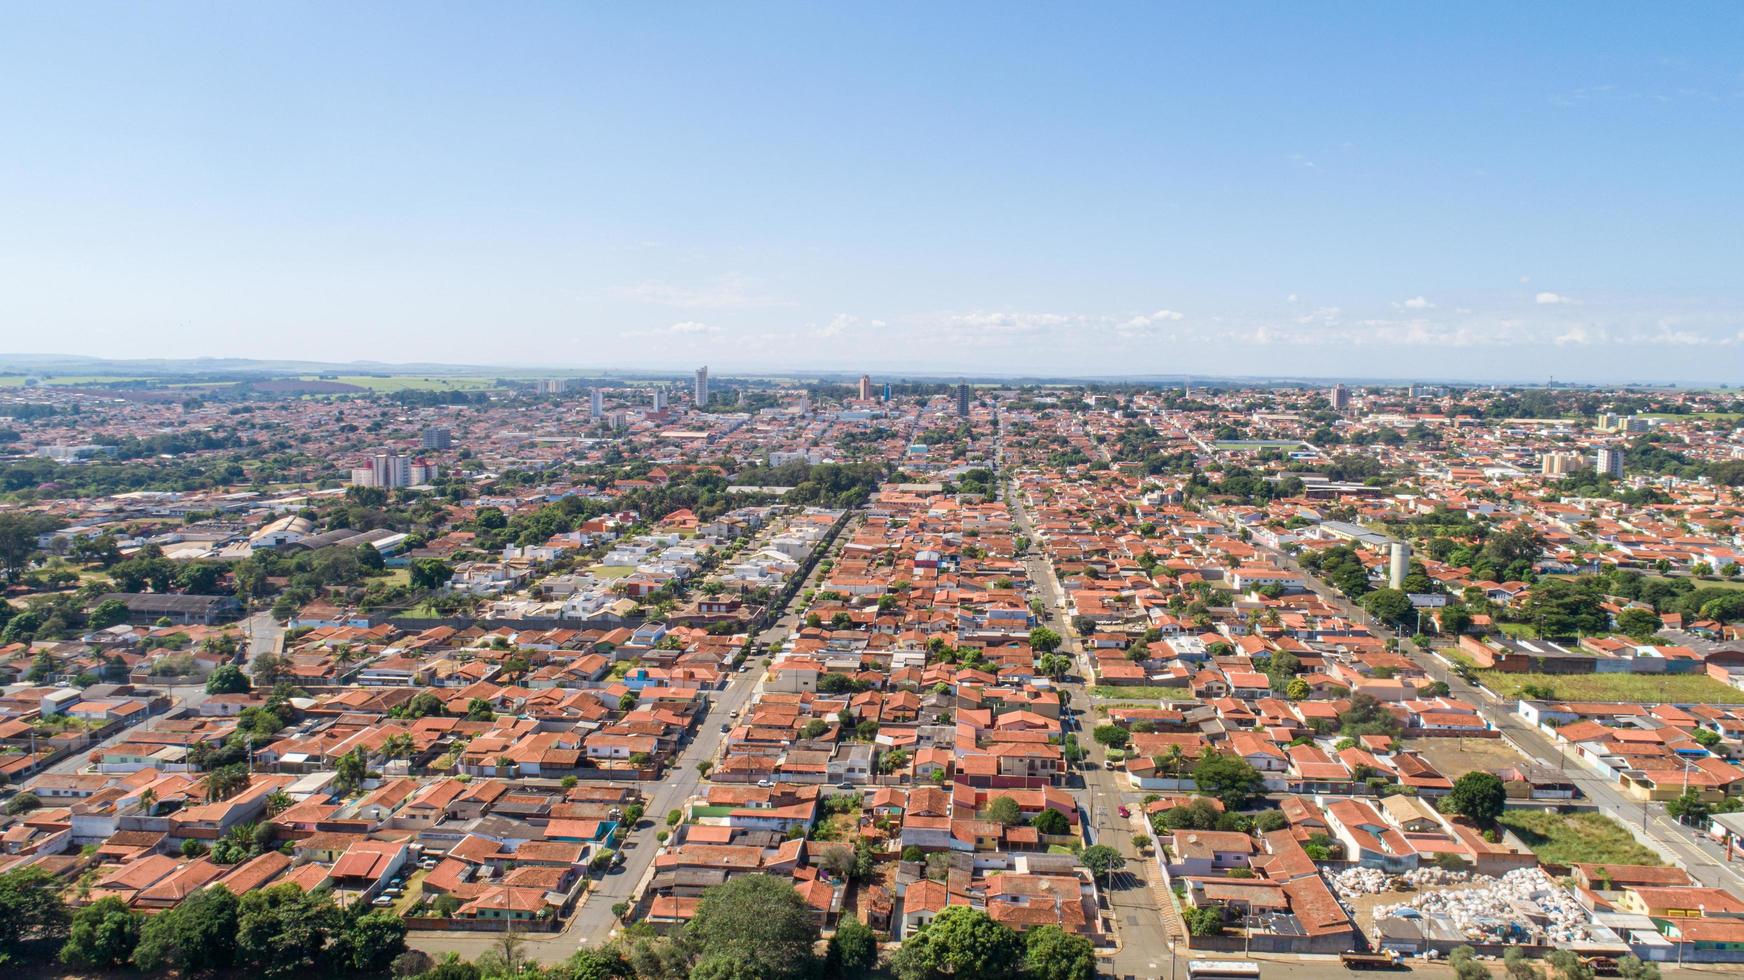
(1478, 796)
(429, 573)
(349, 771)
(1455, 619)
(102, 936)
(30, 909)
(1054, 954)
(963, 943)
(110, 612)
(1229, 778)
(1366, 715)
(758, 919)
(282, 931)
(852, 951)
(734, 965)
(1004, 811)
(1388, 605)
(1203, 920)
(1689, 808)
(1639, 624)
(1044, 640)
(369, 943)
(1113, 736)
(1632, 967)
(197, 936)
(1517, 966)
(1568, 965)
(597, 963)
(1051, 822)
(370, 557)
(1466, 965)
(18, 534)
(227, 679)
(22, 803)
(425, 704)
(1102, 860)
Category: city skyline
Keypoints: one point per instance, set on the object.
(1488, 193)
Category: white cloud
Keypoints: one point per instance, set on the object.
(1325, 314)
(1418, 303)
(1151, 319)
(843, 323)
(1551, 299)
(1290, 298)
(683, 328)
(985, 322)
(729, 291)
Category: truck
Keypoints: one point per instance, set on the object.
(1385, 959)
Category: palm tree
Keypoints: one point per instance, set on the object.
(278, 802)
(148, 801)
(223, 783)
(1175, 760)
(397, 746)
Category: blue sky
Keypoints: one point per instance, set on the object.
(1473, 190)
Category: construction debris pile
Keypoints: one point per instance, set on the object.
(1524, 905)
(1357, 880)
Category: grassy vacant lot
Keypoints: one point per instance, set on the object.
(610, 571)
(1569, 838)
(1638, 688)
(1121, 692)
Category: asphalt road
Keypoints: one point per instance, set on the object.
(593, 923)
(1678, 844)
(266, 634)
(1134, 894)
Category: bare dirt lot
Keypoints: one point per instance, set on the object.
(1457, 756)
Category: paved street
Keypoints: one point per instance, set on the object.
(1135, 894)
(594, 923)
(1678, 844)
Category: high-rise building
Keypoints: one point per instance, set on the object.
(659, 398)
(887, 392)
(553, 386)
(1558, 464)
(1609, 462)
(701, 395)
(437, 437)
(1398, 564)
(963, 399)
(390, 470)
(596, 403)
(1339, 396)
(865, 387)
